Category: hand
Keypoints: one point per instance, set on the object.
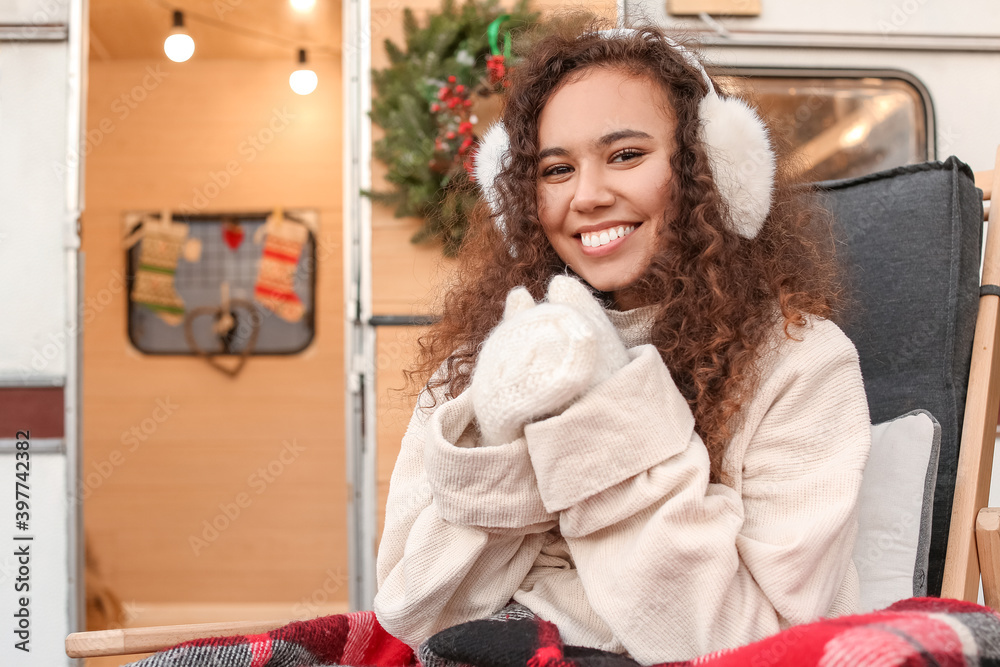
(611, 352)
(542, 357)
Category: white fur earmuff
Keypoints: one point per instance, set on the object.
(491, 157)
(734, 136)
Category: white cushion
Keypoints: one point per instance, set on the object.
(897, 494)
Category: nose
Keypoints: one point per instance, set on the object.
(592, 190)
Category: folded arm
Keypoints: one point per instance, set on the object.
(464, 524)
(679, 566)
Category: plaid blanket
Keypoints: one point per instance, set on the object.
(915, 633)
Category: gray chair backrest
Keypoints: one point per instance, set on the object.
(912, 250)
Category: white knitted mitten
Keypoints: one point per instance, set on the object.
(540, 358)
(611, 352)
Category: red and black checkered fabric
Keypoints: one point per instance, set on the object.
(919, 632)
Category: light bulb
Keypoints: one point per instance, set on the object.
(178, 46)
(303, 5)
(303, 80)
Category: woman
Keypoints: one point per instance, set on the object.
(663, 458)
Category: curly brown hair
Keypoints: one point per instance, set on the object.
(720, 297)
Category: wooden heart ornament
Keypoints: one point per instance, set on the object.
(253, 316)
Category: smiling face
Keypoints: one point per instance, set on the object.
(605, 139)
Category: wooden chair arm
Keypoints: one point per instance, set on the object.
(149, 640)
(984, 181)
(979, 429)
(988, 546)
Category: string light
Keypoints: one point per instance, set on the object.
(179, 46)
(303, 5)
(303, 80)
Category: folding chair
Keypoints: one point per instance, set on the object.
(926, 333)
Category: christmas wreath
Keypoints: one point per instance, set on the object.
(433, 101)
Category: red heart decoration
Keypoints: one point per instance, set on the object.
(232, 234)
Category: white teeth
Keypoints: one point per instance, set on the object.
(603, 237)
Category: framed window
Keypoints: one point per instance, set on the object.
(175, 294)
(843, 123)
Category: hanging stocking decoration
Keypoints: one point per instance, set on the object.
(275, 286)
(162, 244)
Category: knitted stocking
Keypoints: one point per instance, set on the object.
(541, 358)
(154, 279)
(275, 279)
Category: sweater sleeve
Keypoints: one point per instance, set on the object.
(464, 525)
(679, 566)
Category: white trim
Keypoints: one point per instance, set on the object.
(78, 25)
(38, 446)
(40, 380)
(359, 335)
(29, 32)
(807, 40)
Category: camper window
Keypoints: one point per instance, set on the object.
(257, 268)
(844, 123)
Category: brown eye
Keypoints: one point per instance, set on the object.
(557, 170)
(626, 155)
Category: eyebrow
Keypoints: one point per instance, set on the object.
(602, 142)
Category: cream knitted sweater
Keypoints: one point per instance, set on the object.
(603, 521)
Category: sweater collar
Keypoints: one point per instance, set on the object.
(634, 326)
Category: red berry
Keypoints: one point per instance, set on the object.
(459, 89)
(467, 103)
(450, 135)
(435, 108)
(452, 79)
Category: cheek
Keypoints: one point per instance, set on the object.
(662, 201)
(548, 210)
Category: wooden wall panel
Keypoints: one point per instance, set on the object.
(158, 135)
(397, 347)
